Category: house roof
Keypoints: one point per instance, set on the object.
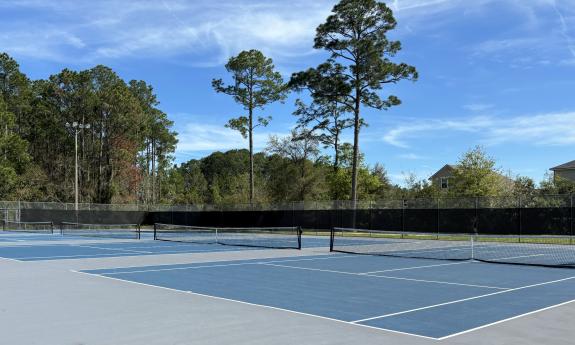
(445, 168)
(566, 166)
(451, 167)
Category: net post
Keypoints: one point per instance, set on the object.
(139, 231)
(52, 228)
(331, 238)
(155, 231)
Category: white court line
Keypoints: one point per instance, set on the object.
(411, 251)
(85, 256)
(113, 249)
(418, 267)
(516, 257)
(143, 246)
(463, 300)
(224, 265)
(10, 259)
(326, 257)
(101, 255)
(177, 268)
(255, 305)
(508, 319)
(386, 277)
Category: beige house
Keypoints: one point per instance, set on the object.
(565, 171)
(441, 178)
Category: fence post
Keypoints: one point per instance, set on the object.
(519, 217)
(571, 220)
(370, 215)
(403, 202)
(437, 217)
(476, 223)
(316, 216)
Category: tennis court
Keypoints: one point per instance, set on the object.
(425, 298)
(36, 247)
(415, 286)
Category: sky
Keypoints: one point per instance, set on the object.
(495, 73)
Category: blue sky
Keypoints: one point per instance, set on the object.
(497, 73)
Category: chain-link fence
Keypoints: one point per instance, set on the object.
(549, 214)
(538, 201)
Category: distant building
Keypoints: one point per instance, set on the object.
(565, 171)
(441, 178)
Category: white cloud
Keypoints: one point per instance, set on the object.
(411, 156)
(565, 29)
(201, 137)
(115, 29)
(542, 130)
(553, 129)
(509, 44)
(478, 107)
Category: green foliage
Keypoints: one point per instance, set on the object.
(524, 186)
(346, 156)
(355, 35)
(418, 188)
(296, 176)
(476, 175)
(13, 153)
(327, 116)
(374, 183)
(123, 157)
(256, 84)
(552, 185)
(14, 89)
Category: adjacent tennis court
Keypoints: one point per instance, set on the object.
(91, 248)
(424, 285)
(420, 297)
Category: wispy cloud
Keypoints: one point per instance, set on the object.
(554, 129)
(201, 137)
(478, 107)
(115, 29)
(564, 29)
(411, 156)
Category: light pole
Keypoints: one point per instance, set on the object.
(76, 127)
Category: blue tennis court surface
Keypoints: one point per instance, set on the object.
(428, 298)
(7, 237)
(93, 248)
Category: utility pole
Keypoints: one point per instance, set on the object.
(76, 127)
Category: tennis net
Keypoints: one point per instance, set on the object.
(267, 237)
(538, 250)
(32, 227)
(122, 231)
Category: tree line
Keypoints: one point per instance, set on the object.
(123, 156)
(127, 154)
(295, 170)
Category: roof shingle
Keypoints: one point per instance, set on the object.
(566, 166)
